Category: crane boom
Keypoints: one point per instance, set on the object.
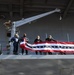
(27, 20)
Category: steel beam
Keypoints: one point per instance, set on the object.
(67, 8)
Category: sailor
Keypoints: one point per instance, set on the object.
(38, 40)
(24, 38)
(50, 39)
(15, 41)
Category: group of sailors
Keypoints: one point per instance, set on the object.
(16, 41)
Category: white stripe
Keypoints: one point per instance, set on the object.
(22, 42)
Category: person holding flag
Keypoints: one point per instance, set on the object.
(38, 40)
(25, 39)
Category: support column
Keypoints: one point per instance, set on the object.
(21, 8)
(13, 30)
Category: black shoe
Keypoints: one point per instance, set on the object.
(50, 53)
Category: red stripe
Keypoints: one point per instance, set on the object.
(55, 42)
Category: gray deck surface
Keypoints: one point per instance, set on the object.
(37, 67)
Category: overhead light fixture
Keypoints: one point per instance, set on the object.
(60, 17)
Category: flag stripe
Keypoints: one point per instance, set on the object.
(49, 46)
